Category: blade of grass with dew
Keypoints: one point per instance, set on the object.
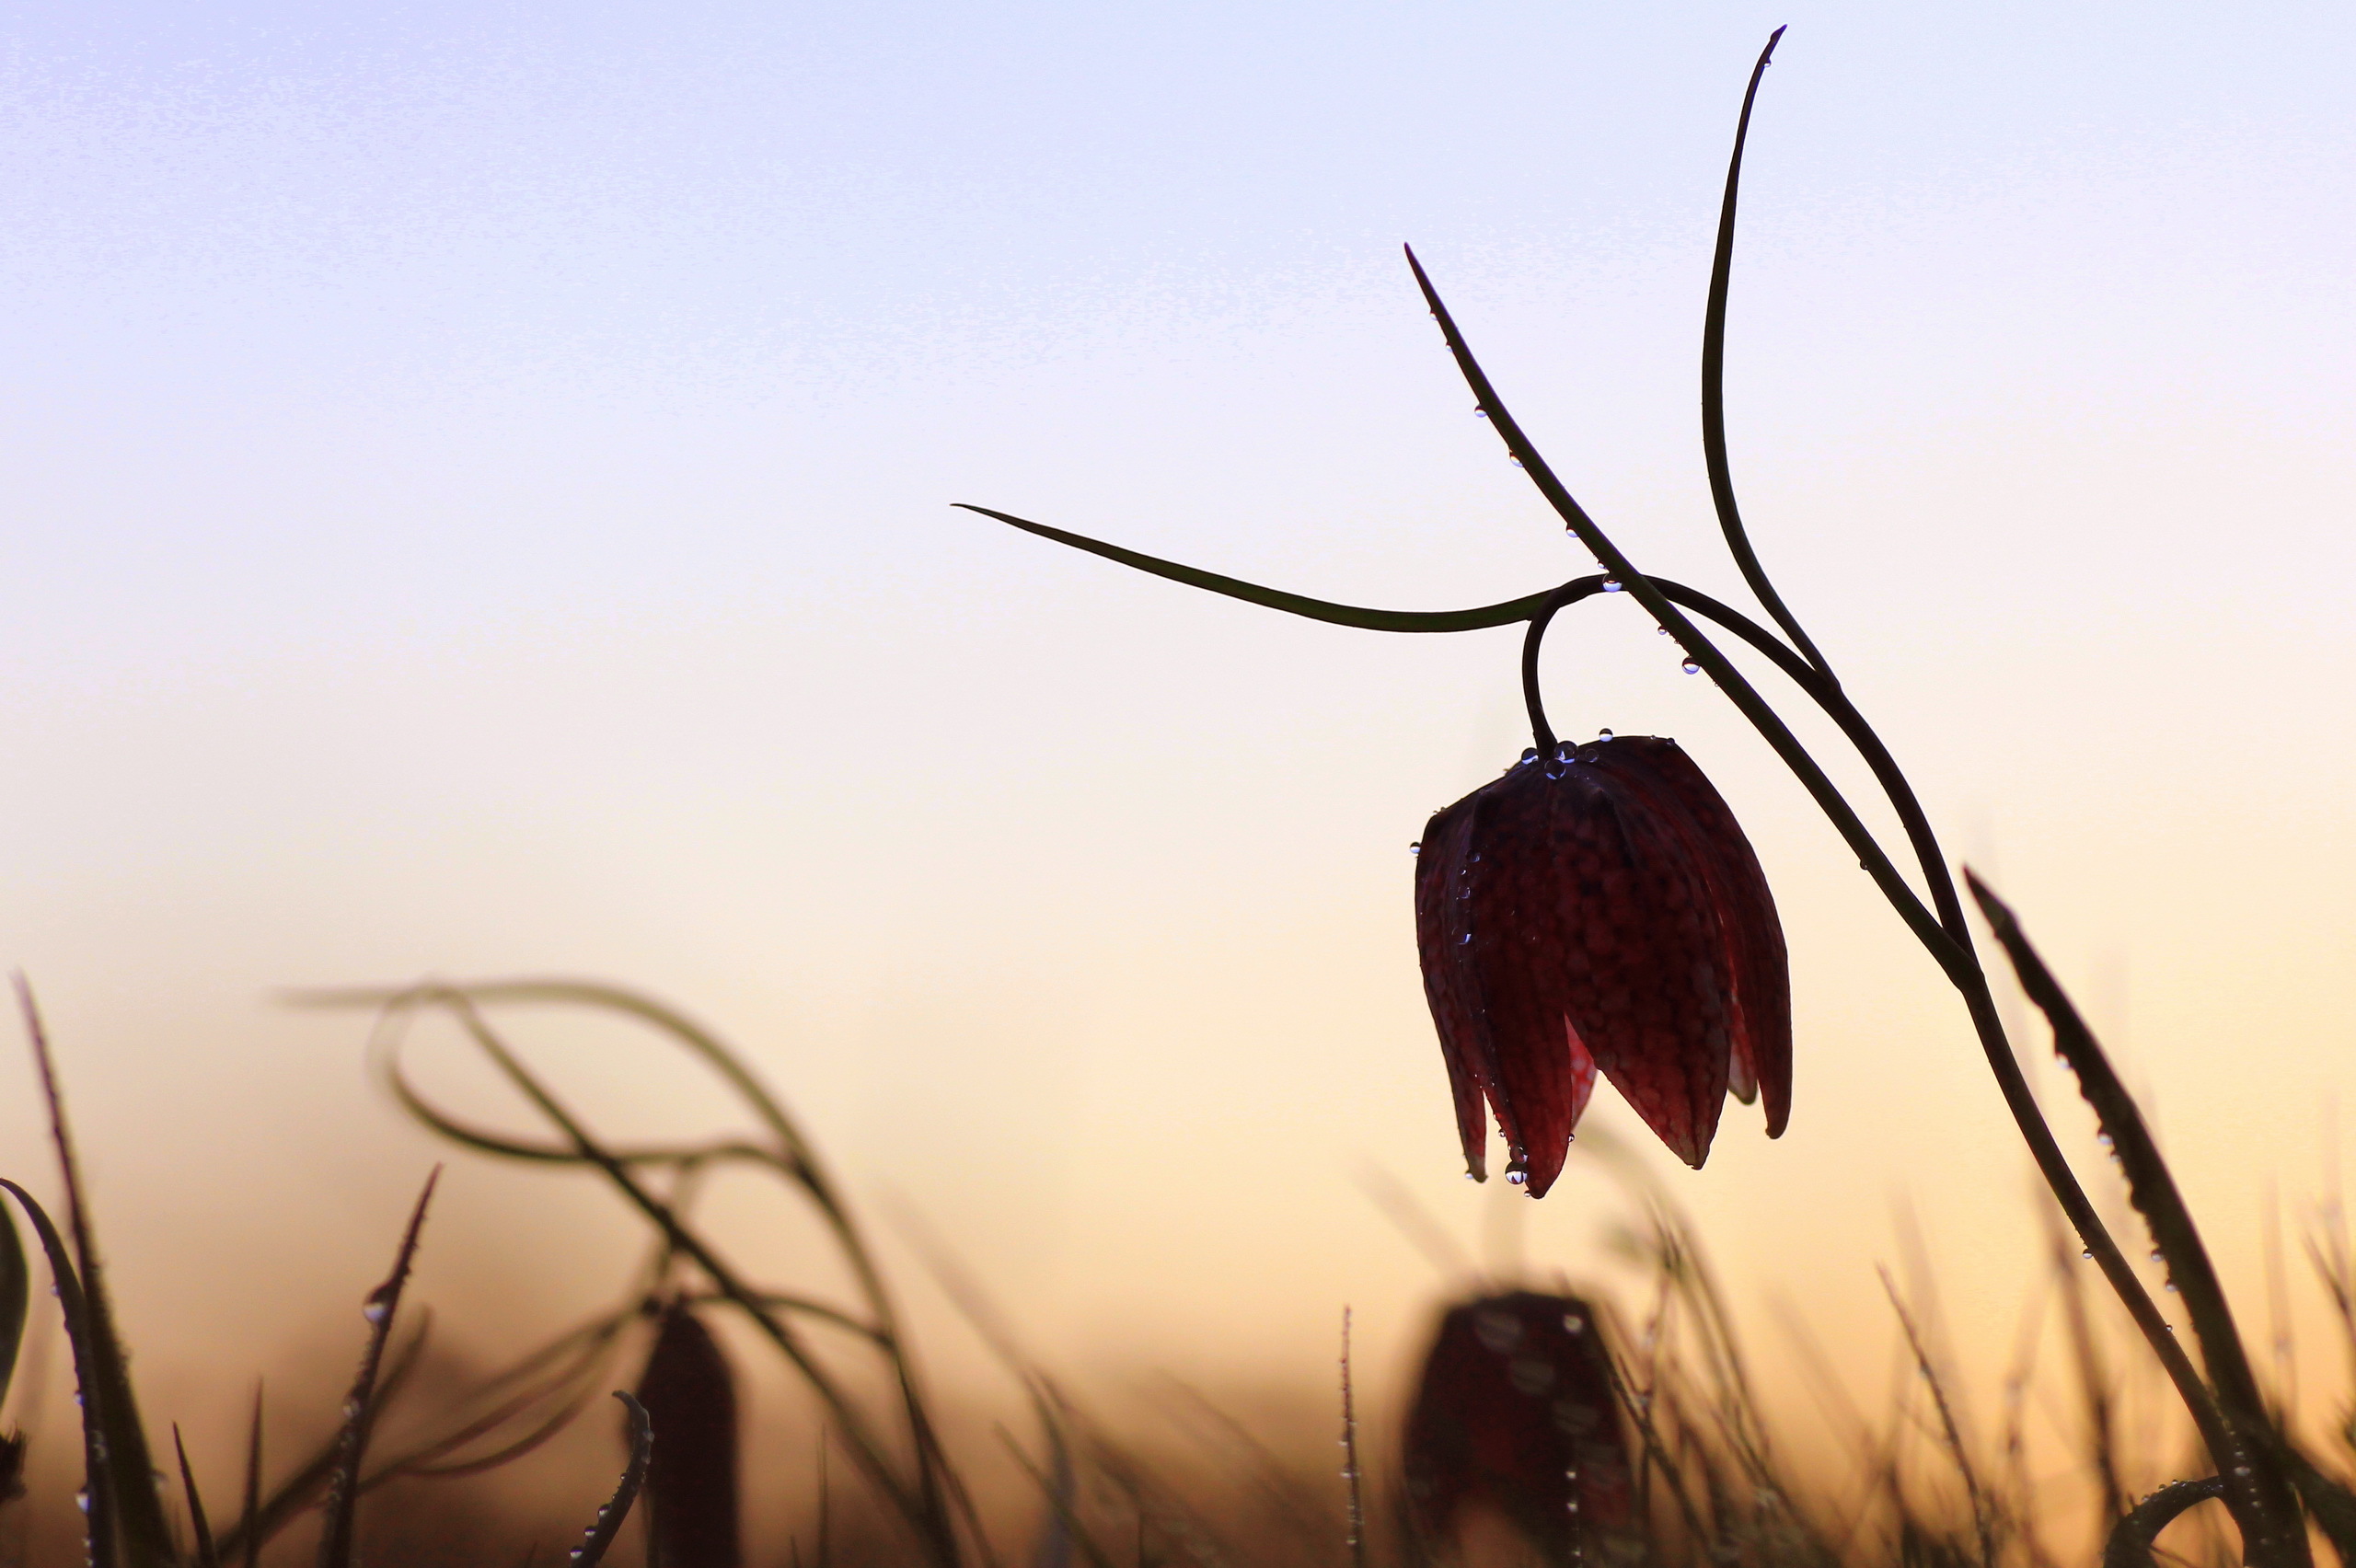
(282, 1505)
(97, 1484)
(336, 1540)
(600, 1535)
(2130, 1540)
(1351, 1479)
(2259, 1463)
(120, 1445)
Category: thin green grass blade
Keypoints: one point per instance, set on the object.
(359, 1406)
(121, 1465)
(198, 1523)
(1505, 614)
(600, 1535)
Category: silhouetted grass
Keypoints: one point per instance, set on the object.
(1707, 1482)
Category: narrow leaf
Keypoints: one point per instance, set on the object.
(1506, 613)
(198, 1523)
(359, 1408)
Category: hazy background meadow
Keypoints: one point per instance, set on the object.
(477, 484)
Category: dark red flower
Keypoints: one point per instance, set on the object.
(1516, 1413)
(1599, 910)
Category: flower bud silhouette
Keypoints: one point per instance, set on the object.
(1597, 910)
(689, 1393)
(1515, 1413)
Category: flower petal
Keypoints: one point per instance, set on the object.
(1517, 977)
(1645, 982)
(1441, 927)
(1744, 912)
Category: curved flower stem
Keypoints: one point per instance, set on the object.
(1541, 733)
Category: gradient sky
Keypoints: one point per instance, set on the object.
(477, 485)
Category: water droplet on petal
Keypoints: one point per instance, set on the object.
(1691, 668)
(1479, 413)
(1530, 754)
(2085, 1252)
(1417, 847)
(1603, 734)
(1465, 940)
(376, 1311)
(1517, 462)
(1611, 585)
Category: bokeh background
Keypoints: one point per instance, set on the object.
(477, 488)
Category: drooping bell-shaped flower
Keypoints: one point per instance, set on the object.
(1515, 1417)
(1599, 910)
